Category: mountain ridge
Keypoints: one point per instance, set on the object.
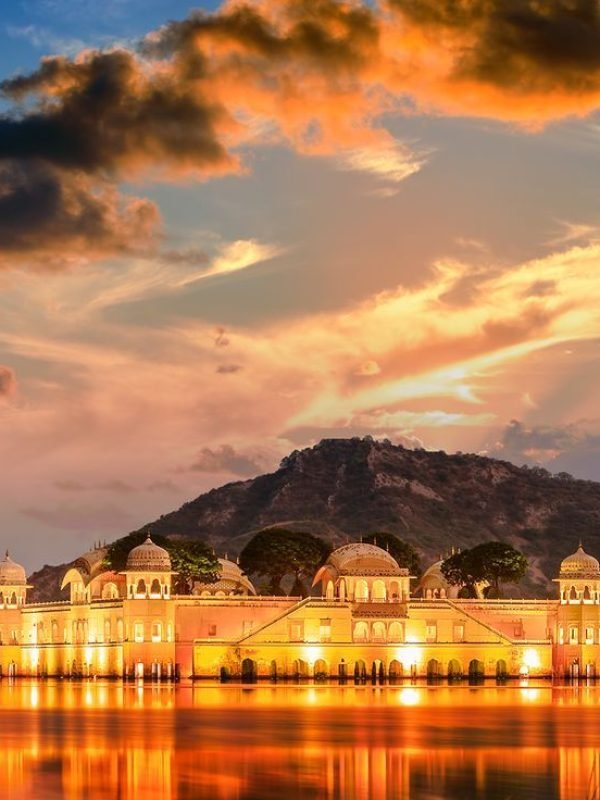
(344, 488)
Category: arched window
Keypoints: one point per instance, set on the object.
(155, 590)
(573, 593)
(120, 631)
(378, 632)
(55, 637)
(395, 632)
(329, 591)
(361, 632)
(107, 631)
(587, 594)
(141, 587)
(110, 591)
(361, 591)
(342, 589)
(378, 591)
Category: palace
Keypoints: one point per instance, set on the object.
(362, 621)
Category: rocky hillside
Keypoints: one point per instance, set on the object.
(349, 487)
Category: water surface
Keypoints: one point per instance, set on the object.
(109, 741)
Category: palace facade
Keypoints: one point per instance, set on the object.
(361, 622)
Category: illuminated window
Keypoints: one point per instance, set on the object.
(395, 632)
(156, 632)
(138, 632)
(431, 632)
(325, 630)
(459, 633)
(297, 630)
(573, 634)
(169, 632)
(561, 634)
(589, 636)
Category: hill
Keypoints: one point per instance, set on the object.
(344, 488)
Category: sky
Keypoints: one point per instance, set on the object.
(227, 232)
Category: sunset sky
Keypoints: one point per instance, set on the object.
(228, 232)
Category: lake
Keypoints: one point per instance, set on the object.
(113, 741)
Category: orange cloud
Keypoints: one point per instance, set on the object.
(318, 75)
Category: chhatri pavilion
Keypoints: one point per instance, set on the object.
(361, 621)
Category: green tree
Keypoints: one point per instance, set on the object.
(458, 571)
(191, 559)
(491, 562)
(404, 553)
(498, 562)
(277, 552)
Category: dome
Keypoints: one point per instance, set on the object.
(580, 565)
(363, 559)
(232, 580)
(11, 573)
(148, 557)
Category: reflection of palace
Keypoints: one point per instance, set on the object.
(365, 623)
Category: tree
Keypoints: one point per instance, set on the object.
(404, 553)
(277, 552)
(490, 562)
(191, 559)
(458, 571)
(498, 562)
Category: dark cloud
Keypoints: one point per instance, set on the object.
(226, 459)
(228, 369)
(560, 448)
(528, 45)
(51, 217)
(106, 113)
(8, 382)
(316, 74)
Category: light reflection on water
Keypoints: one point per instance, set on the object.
(108, 741)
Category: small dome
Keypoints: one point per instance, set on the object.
(11, 573)
(232, 580)
(580, 565)
(363, 559)
(148, 557)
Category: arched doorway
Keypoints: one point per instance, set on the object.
(320, 670)
(360, 670)
(361, 632)
(248, 670)
(395, 670)
(501, 670)
(273, 672)
(224, 674)
(300, 669)
(434, 669)
(329, 591)
(476, 670)
(454, 670)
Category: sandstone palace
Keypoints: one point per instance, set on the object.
(361, 622)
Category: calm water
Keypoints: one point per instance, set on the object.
(111, 742)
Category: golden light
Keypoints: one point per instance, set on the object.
(531, 659)
(409, 696)
(312, 653)
(409, 656)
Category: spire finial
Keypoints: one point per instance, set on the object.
(6, 555)
(580, 545)
(148, 539)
